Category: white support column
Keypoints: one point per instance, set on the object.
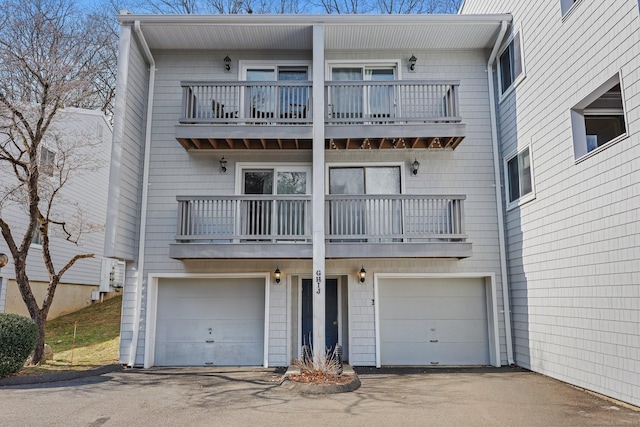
(318, 194)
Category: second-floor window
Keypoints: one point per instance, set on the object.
(268, 101)
(362, 99)
(519, 177)
(511, 64)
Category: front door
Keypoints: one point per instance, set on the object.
(331, 321)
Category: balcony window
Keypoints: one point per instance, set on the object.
(360, 100)
(268, 101)
(599, 120)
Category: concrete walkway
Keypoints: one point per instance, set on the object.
(253, 397)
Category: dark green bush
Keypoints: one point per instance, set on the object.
(18, 338)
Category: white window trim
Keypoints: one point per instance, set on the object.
(507, 184)
(576, 116)
(364, 165)
(289, 167)
(244, 65)
(335, 63)
(522, 75)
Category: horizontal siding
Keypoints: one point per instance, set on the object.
(574, 250)
(468, 170)
(128, 183)
(84, 194)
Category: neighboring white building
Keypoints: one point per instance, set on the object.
(81, 284)
(249, 145)
(569, 114)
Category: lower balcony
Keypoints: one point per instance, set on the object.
(356, 226)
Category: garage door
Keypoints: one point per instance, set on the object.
(433, 322)
(217, 322)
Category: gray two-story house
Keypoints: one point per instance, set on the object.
(280, 181)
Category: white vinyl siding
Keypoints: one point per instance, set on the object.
(573, 254)
(173, 171)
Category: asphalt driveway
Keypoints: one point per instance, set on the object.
(253, 397)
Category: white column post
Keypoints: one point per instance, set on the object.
(318, 194)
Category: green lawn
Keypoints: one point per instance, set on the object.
(96, 342)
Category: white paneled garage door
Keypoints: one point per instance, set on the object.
(217, 322)
(425, 322)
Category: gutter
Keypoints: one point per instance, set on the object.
(145, 194)
(496, 170)
(305, 20)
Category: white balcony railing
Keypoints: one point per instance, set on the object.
(400, 101)
(349, 218)
(347, 102)
(229, 219)
(247, 102)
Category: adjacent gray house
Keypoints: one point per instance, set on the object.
(284, 180)
(569, 128)
(84, 134)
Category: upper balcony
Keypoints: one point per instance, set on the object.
(356, 226)
(357, 114)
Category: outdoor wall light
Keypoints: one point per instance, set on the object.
(362, 274)
(223, 165)
(412, 63)
(277, 275)
(415, 166)
(4, 260)
(227, 63)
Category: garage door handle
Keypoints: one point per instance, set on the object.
(433, 340)
(210, 341)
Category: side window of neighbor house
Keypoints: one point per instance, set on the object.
(36, 239)
(599, 119)
(519, 179)
(47, 161)
(510, 67)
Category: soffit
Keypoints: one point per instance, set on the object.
(286, 32)
(231, 37)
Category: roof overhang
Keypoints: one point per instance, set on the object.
(295, 32)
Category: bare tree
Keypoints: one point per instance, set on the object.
(299, 6)
(49, 59)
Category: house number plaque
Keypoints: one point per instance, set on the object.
(318, 281)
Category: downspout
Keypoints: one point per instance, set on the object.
(496, 170)
(145, 193)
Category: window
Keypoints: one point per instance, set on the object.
(36, 238)
(511, 64)
(47, 161)
(362, 216)
(519, 177)
(599, 119)
(566, 5)
(264, 100)
(284, 216)
(375, 100)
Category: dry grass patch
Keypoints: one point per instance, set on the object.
(96, 343)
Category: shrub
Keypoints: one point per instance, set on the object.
(18, 338)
